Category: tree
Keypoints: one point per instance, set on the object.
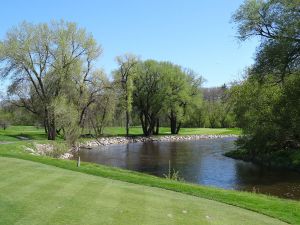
(266, 103)
(163, 89)
(66, 115)
(5, 118)
(149, 94)
(100, 114)
(176, 83)
(182, 92)
(276, 22)
(88, 91)
(45, 61)
(124, 77)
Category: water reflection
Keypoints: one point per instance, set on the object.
(200, 162)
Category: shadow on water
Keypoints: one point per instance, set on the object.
(199, 162)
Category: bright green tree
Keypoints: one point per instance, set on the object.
(276, 23)
(45, 61)
(124, 77)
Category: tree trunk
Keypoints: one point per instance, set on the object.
(156, 132)
(178, 128)
(173, 122)
(148, 123)
(51, 129)
(50, 125)
(127, 123)
(45, 126)
(143, 123)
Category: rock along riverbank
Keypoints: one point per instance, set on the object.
(48, 149)
(104, 141)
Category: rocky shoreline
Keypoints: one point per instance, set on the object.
(105, 141)
(49, 149)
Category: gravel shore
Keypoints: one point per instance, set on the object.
(104, 141)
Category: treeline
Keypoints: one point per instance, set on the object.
(267, 102)
(52, 74)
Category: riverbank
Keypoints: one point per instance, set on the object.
(59, 150)
(284, 159)
(112, 135)
(104, 141)
(13, 133)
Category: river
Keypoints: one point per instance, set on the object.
(201, 162)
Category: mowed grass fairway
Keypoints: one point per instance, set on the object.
(13, 133)
(34, 193)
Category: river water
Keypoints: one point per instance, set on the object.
(199, 161)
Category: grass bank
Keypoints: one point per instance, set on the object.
(13, 133)
(285, 210)
(120, 131)
(43, 194)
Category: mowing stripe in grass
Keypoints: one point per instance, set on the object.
(77, 198)
(286, 210)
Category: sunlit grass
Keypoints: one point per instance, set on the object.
(14, 133)
(62, 196)
(286, 210)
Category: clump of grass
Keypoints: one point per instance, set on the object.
(173, 174)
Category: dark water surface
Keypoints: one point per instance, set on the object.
(201, 162)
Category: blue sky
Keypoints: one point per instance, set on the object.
(192, 33)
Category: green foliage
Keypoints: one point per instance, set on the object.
(287, 113)
(66, 115)
(5, 119)
(253, 105)
(124, 77)
(149, 94)
(267, 103)
(182, 94)
(165, 90)
(276, 22)
(45, 61)
(213, 114)
(280, 159)
(101, 113)
(123, 80)
(268, 114)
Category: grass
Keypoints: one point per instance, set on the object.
(285, 210)
(42, 194)
(13, 133)
(120, 131)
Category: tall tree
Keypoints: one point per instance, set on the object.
(149, 94)
(182, 92)
(101, 112)
(277, 23)
(44, 61)
(266, 103)
(124, 77)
